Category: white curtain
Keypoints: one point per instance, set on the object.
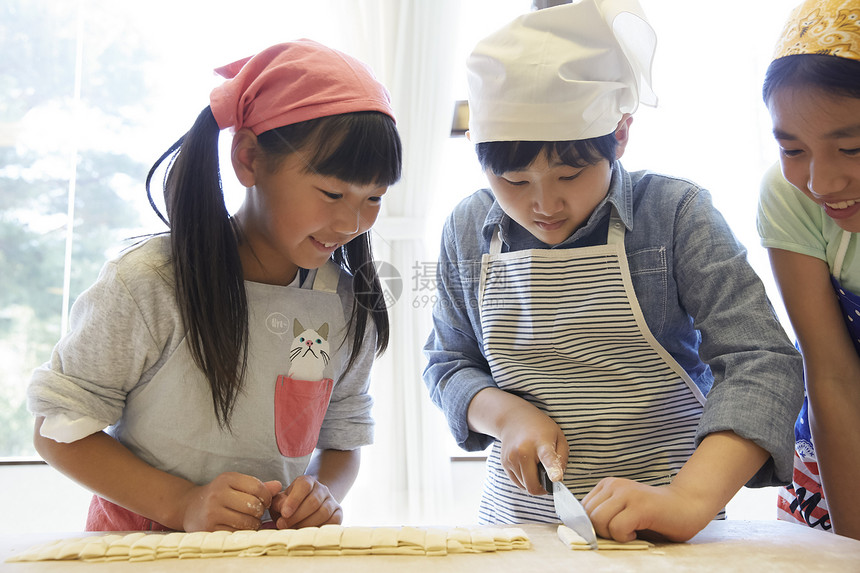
(410, 44)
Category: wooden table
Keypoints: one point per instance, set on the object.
(754, 546)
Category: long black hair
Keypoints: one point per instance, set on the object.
(832, 74)
(362, 148)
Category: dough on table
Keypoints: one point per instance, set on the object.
(575, 541)
(307, 541)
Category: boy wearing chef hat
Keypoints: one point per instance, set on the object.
(601, 323)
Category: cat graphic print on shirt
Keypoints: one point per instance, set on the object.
(309, 353)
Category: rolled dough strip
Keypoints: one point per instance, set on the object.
(325, 540)
(572, 539)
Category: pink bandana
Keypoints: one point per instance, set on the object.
(292, 82)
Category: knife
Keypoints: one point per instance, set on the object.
(568, 508)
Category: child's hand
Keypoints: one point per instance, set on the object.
(232, 501)
(530, 437)
(620, 507)
(305, 503)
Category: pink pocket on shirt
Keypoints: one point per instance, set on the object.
(300, 407)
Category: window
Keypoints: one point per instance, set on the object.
(92, 92)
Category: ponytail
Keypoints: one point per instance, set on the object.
(210, 288)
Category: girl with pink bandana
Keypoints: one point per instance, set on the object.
(210, 366)
(809, 216)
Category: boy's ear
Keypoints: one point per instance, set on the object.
(622, 134)
(243, 154)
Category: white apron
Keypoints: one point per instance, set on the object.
(170, 422)
(563, 329)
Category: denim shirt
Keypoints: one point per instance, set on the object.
(700, 297)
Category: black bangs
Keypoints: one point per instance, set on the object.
(838, 76)
(361, 147)
(499, 157)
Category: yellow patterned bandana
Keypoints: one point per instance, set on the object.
(826, 27)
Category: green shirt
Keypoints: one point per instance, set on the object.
(789, 220)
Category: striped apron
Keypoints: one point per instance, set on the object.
(563, 330)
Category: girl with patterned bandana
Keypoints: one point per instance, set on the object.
(809, 216)
(210, 366)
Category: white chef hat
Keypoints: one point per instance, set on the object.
(561, 74)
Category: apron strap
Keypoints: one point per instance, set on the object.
(496, 241)
(836, 271)
(615, 236)
(326, 277)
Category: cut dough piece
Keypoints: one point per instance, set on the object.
(168, 546)
(96, 547)
(235, 543)
(410, 541)
(213, 544)
(575, 541)
(192, 544)
(383, 541)
(356, 541)
(278, 542)
(459, 540)
(302, 541)
(483, 541)
(436, 542)
(328, 539)
(145, 548)
(258, 543)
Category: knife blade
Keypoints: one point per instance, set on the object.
(568, 508)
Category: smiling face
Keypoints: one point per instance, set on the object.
(295, 218)
(819, 139)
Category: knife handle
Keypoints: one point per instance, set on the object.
(543, 477)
